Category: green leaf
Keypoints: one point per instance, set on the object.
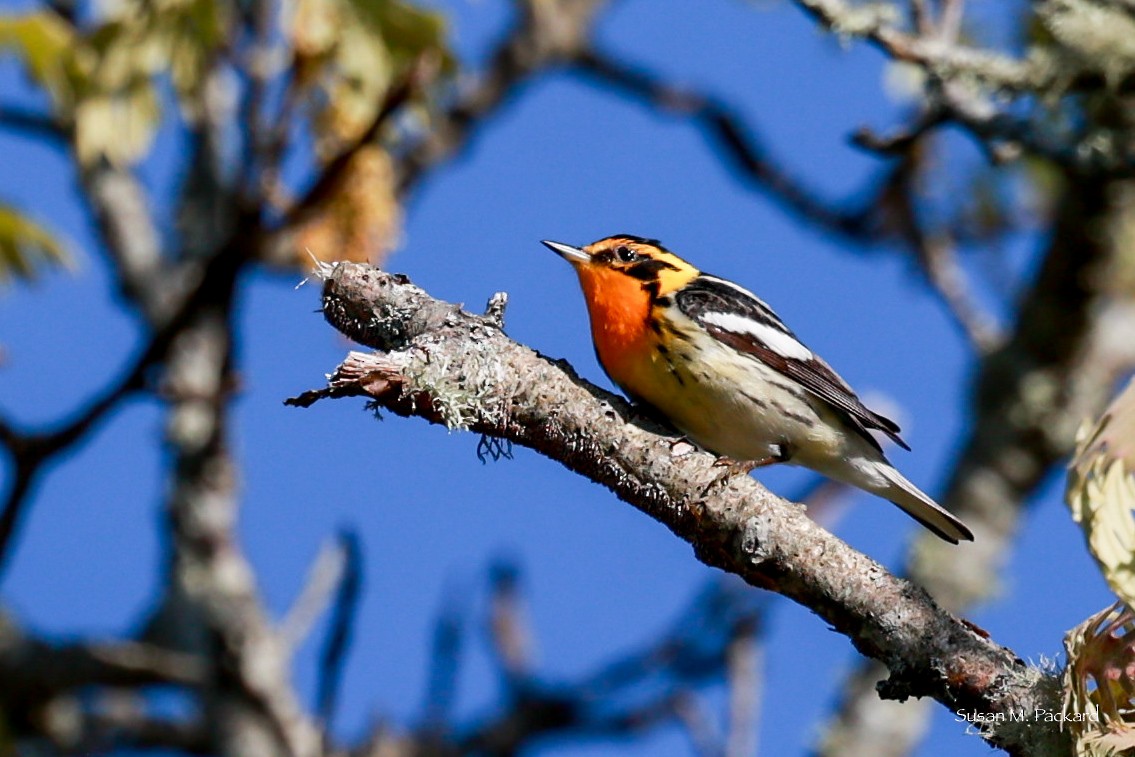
(45, 43)
(25, 246)
(407, 30)
(117, 126)
(352, 50)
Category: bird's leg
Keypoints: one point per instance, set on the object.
(781, 453)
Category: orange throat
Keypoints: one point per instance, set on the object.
(619, 308)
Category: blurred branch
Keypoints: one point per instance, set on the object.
(739, 144)
(34, 670)
(211, 604)
(639, 690)
(920, 14)
(43, 680)
(448, 367)
(934, 251)
(509, 629)
(136, 730)
(950, 19)
(696, 646)
(547, 34)
(415, 79)
(32, 124)
(259, 153)
(879, 25)
(333, 658)
(324, 580)
(121, 208)
(966, 83)
(744, 663)
(445, 658)
(32, 451)
(703, 733)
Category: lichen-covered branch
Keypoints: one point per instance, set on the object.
(878, 23)
(457, 369)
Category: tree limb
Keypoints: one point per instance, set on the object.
(455, 369)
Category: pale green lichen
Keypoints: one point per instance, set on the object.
(464, 386)
(1090, 37)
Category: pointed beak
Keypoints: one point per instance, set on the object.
(567, 252)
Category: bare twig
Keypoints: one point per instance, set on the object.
(445, 659)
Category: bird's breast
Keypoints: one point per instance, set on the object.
(619, 309)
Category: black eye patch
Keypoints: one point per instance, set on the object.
(648, 269)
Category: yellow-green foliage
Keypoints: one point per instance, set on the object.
(104, 80)
(25, 246)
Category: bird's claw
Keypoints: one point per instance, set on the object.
(780, 454)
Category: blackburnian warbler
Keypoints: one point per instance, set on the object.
(720, 365)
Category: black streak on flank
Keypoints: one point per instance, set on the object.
(755, 400)
(794, 416)
(670, 365)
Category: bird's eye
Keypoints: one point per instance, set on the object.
(624, 254)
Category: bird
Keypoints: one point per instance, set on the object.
(722, 368)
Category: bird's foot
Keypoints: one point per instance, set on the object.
(780, 454)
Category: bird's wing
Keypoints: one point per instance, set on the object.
(738, 318)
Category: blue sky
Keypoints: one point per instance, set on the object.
(564, 161)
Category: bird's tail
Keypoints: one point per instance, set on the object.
(919, 506)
